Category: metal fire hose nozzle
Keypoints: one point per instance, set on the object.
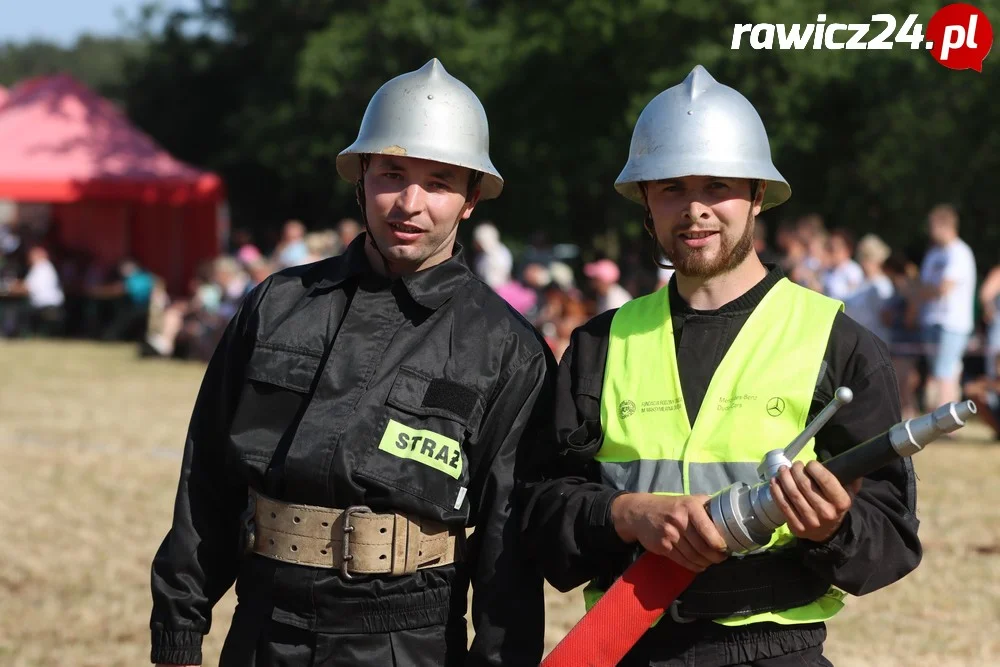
(910, 436)
(747, 515)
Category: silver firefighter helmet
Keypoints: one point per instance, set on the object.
(700, 127)
(427, 114)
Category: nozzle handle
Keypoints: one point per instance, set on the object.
(841, 397)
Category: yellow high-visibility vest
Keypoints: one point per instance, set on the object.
(757, 400)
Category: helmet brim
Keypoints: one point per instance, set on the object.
(349, 166)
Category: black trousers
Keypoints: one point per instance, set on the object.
(255, 640)
(707, 644)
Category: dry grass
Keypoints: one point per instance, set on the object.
(90, 440)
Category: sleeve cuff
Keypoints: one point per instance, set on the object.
(838, 549)
(603, 532)
(176, 647)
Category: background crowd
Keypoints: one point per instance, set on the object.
(940, 322)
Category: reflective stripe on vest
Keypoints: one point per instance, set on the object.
(757, 400)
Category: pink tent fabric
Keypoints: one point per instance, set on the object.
(61, 142)
(114, 192)
(3, 95)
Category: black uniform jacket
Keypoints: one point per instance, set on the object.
(295, 403)
(567, 509)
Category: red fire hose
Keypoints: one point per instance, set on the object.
(647, 589)
(631, 605)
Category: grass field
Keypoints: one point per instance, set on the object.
(90, 440)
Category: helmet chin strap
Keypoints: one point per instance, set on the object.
(359, 193)
(647, 223)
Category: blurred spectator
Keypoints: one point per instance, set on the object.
(562, 277)
(259, 272)
(493, 262)
(814, 237)
(786, 236)
(843, 276)
(810, 227)
(984, 390)
(574, 315)
(45, 296)
(233, 282)
(244, 248)
(522, 299)
(347, 230)
(764, 252)
(989, 300)
(536, 277)
(321, 245)
(191, 329)
(948, 277)
(806, 258)
(867, 303)
(900, 315)
(818, 258)
(539, 250)
(604, 276)
(9, 239)
(291, 249)
(634, 276)
(135, 287)
(794, 260)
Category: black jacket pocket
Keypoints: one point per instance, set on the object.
(418, 444)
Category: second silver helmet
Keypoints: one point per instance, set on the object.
(427, 114)
(700, 128)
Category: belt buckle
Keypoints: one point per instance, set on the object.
(249, 532)
(346, 556)
(675, 615)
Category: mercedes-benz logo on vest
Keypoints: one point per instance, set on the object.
(626, 408)
(775, 406)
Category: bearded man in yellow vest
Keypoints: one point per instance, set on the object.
(679, 394)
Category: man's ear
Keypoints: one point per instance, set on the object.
(470, 204)
(758, 200)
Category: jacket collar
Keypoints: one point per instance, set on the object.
(430, 288)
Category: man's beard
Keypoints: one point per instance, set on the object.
(694, 264)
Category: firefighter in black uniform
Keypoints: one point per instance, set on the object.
(359, 415)
(679, 394)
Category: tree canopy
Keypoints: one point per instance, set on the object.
(267, 92)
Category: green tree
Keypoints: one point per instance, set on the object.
(98, 62)
(268, 92)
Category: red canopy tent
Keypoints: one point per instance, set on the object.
(113, 191)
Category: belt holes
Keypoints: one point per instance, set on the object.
(323, 551)
(420, 553)
(382, 557)
(273, 515)
(294, 548)
(326, 524)
(381, 530)
(296, 519)
(272, 542)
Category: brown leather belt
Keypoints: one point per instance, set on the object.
(355, 540)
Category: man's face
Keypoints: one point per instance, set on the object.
(703, 222)
(293, 231)
(941, 229)
(838, 250)
(414, 207)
